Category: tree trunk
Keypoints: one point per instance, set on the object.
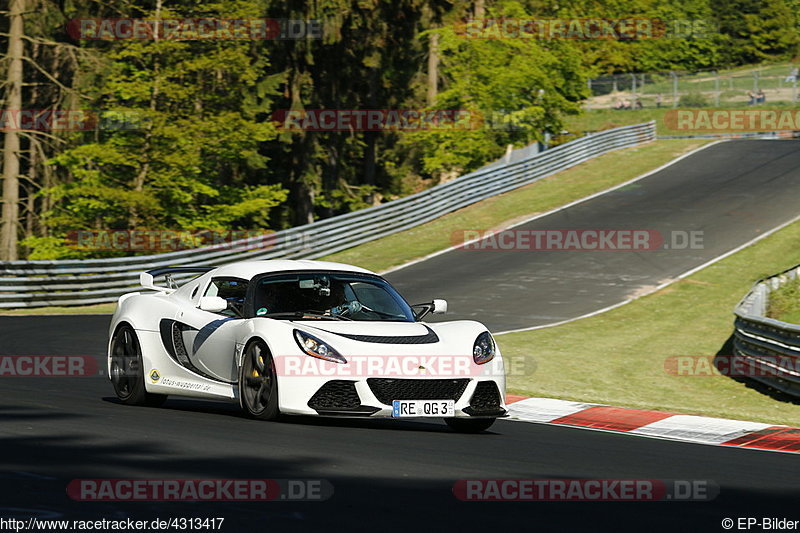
(134, 216)
(370, 137)
(47, 182)
(32, 184)
(480, 9)
(302, 145)
(433, 68)
(10, 212)
(30, 191)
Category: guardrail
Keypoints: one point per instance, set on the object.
(82, 282)
(769, 348)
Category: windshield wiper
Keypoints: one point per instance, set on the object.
(302, 314)
(382, 313)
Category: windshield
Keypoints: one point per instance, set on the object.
(329, 295)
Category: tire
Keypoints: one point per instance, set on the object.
(258, 382)
(469, 425)
(127, 370)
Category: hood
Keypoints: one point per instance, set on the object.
(396, 337)
(377, 332)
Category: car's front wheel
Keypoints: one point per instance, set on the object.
(469, 425)
(258, 382)
(127, 370)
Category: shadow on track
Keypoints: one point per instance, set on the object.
(226, 409)
(37, 470)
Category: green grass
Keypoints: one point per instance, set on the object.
(784, 303)
(618, 357)
(503, 210)
(603, 119)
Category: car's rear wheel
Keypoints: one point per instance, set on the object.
(469, 425)
(258, 382)
(127, 370)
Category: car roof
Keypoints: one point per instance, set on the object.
(249, 269)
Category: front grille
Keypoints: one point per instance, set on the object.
(386, 389)
(486, 397)
(337, 394)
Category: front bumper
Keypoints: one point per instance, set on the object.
(372, 397)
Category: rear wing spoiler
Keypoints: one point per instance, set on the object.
(146, 279)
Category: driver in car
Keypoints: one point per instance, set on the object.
(324, 297)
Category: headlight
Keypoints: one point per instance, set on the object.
(317, 348)
(484, 348)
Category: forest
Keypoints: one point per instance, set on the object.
(174, 114)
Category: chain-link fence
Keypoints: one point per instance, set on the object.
(769, 84)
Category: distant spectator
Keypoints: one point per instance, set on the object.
(617, 105)
(761, 97)
(637, 104)
(751, 98)
(626, 104)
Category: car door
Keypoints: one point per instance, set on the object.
(209, 339)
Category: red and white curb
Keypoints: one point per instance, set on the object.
(658, 424)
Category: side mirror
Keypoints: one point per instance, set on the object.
(213, 304)
(439, 307)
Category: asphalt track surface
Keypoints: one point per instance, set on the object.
(732, 192)
(386, 476)
(390, 476)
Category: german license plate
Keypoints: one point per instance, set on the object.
(401, 408)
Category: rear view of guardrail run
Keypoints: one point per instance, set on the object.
(768, 346)
(82, 282)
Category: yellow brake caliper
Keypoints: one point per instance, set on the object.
(261, 361)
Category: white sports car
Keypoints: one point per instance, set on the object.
(302, 338)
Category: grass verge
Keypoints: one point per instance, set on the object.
(603, 119)
(618, 357)
(784, 303)
(505, 209)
